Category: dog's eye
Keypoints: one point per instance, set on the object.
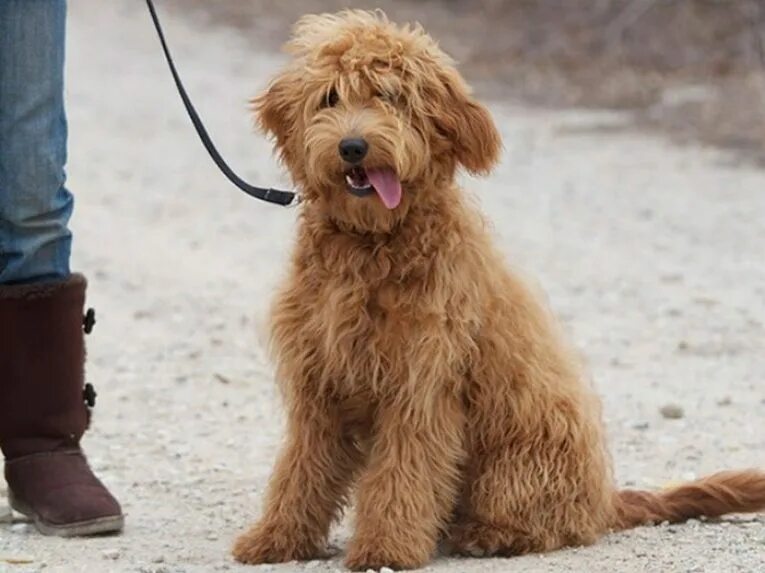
(331, 99)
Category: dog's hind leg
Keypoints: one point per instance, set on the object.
(514, 503)
(538, 476)
(308, 487)
(409, 488)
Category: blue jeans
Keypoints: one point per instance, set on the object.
(35, 207)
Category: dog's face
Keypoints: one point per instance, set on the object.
(369, 117)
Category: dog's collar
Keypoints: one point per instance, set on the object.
(276, 196)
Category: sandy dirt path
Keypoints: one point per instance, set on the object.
(653, 255)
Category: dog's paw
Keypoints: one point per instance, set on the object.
(274, 544)
(384, 553)
(478, 540)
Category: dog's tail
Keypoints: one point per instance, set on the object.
(740, 491)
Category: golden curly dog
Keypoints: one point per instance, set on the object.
(416, 368)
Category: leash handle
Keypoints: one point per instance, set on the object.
(276, 196)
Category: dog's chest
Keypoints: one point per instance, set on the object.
(368, 308)
(366, 314)
(365, 318)
(366, 336)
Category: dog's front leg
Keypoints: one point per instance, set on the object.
(307, 489)
(408, 490)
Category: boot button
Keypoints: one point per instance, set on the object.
(89, 320)
(89, 395)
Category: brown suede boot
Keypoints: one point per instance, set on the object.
(44, 410)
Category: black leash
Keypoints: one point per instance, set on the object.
(271, 195)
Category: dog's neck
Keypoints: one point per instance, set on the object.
(429, 229)
(336, 226)
(420, 219)
(423, 213)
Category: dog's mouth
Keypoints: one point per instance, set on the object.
(363, 182)
(358, 182)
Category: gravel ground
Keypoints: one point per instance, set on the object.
(652, 254)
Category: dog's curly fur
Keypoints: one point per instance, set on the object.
(416, 367)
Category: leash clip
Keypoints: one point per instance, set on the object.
(297, 199)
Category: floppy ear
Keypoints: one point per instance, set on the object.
(467, 124)
(276, 109)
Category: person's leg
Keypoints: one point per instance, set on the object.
(35, 207)
(43, 412)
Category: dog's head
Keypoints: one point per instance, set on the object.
(370, 116)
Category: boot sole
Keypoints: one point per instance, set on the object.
(100, 525)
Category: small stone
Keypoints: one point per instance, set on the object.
(386, 570)
(16, 559)
(312, 564)
(222, 379)
(20, 527)
(725, 401)
(672, 278)
(640, 426)
(111, 554)
(212, 537)
(672, 411)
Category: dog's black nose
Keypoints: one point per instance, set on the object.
(353, 149)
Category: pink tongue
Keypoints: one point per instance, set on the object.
(388, 187)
